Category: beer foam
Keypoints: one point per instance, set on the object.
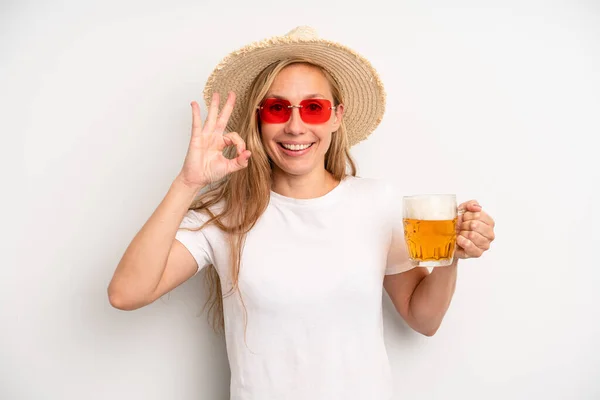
(430, 208)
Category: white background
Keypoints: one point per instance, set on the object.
(493, 100)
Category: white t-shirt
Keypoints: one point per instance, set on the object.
(311, 280)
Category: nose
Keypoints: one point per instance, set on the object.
(295, 125)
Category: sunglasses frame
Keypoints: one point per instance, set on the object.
(299, 106)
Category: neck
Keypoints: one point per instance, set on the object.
(316, 184)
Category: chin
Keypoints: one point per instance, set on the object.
(294, 168)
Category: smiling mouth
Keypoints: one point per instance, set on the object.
(295, 147)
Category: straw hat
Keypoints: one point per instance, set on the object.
(362, 89)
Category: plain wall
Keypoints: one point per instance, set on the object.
(497, 101)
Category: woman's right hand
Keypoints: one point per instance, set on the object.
(205, 162)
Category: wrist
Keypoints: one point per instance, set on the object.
(182, 186)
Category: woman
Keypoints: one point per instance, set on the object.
(296, 247)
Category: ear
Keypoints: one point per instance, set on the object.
(339, 114)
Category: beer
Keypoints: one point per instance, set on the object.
(430, 229)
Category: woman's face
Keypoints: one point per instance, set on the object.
(296, 147)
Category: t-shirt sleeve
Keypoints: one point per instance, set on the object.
(397, 259)
(195, 240)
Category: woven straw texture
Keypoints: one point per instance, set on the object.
(362, 89)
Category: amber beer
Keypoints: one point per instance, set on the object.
(430, 229)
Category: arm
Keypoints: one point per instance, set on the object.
(154, 262)
(422, 298)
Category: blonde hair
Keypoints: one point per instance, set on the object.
(244, 195)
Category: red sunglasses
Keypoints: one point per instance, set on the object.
(312, 111)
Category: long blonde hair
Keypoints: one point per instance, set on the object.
(244, 195)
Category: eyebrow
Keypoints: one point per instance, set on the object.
(310, 96)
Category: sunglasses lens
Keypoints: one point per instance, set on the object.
(315, 111)
(275, 111)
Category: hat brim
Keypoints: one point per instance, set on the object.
(360, 84)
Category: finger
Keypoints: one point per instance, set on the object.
(196, 119)
(469, 248)
(234, 139)
(477, 239)
(213, 111)
(239, 162)
(225, 113)
(480, 216)
(479, 227)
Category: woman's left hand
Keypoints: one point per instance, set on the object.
(475, 230)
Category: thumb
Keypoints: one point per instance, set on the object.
(471, 205)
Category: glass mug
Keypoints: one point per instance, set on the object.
(430, 228)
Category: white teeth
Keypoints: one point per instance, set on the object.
(295, 147)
